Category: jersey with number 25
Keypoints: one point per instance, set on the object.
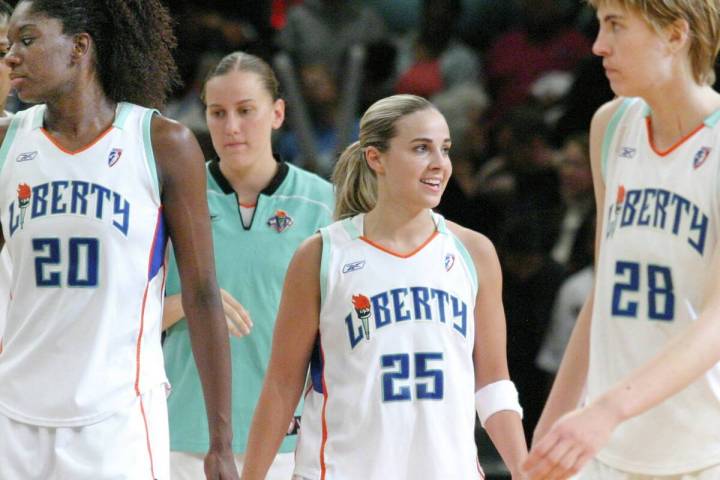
(392, 374)
(85, 233)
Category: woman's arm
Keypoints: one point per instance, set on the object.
(577, 437)
(489, 354)
(182, 180)
(296, 330)
(237, 318)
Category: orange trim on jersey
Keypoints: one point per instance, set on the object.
(138, 347)
(401, 255)
(648, 124)
(75, 152)
(323, 468)
(248, 206)
(147, 439)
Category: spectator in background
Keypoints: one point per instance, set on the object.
(543, 43)
(321, 31)
(531, 279)
(570, 298)
(521, 178)
(463, 107)
(320, 91)
(435, 59)
(578, 202)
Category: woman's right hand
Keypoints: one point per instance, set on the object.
(237, 318)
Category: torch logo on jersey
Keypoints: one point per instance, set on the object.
(615, 211)
(362, 308)
(24, 194)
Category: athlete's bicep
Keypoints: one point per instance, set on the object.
(183, 193)
(298, 319)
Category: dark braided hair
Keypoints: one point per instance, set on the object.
(133, 41)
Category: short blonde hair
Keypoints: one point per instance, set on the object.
(703, 18)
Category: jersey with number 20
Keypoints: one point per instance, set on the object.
(85, 233)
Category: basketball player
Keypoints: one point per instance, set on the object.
(261, 209)
(90, 183)
(646, 341)
(398, 314)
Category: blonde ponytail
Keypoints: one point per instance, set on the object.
(355, 185)
(354, 180)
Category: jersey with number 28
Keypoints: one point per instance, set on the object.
(85, 233)
(659, 237)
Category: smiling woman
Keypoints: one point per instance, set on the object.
(398, 315)
(92, 184)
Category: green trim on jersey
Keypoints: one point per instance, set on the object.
(39, 116)
(324, 263)
(713, 119)
(149, 153)
(610, 133)
(9, 138)
(468, 260)
(122, 113)
(350, 228)
(250, 264)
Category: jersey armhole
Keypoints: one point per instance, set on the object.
(149, 154)
(324, 264)
(472, 271)
(610, 133)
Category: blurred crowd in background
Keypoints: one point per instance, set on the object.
(517, 83)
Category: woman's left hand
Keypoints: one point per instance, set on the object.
(570, 444)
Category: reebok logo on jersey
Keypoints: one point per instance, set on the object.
(114, 156)
(627, 152)
(362, 308)
(26, 156)
(353, 266)
(449, 261)
(700, 157)
(280, 221)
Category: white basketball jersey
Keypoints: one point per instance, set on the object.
(660, 233)
(393, 377)
(85, 234)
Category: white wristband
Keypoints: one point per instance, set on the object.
(495, 397)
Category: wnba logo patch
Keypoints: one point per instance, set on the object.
(700, 157)
(280, 221)
(449, 261)
(114, 156)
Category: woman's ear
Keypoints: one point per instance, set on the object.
(678, 34)
(373, 157)
(81, 46)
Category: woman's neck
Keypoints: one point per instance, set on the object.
(249, 180)
(676, 113)
(398, 227)
(79, 117)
